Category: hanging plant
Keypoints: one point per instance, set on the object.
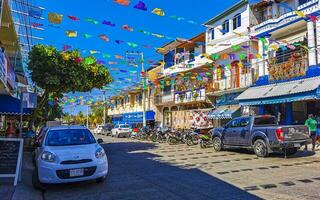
(182, 96)
(195, 95)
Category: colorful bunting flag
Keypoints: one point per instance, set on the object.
(74, 18)
(87, 35)
(94, 52)
(122, 2)
(131, 44)
(71, 34)
(158, 11)
(55, 18)
(127, 28)
(92, 21)
(119, 41)
(108, 23)
(104, 38)
(141, 6)
(106, 55)
(89, 60)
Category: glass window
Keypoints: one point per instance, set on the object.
(124, 126)
(265, 120)
(236, 21)
(66, 137)
(244, 122)
(212, 34)
(167, 90)
(303, 2)
(225, 27)
(234, 123)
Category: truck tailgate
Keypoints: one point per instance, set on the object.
(299, 132)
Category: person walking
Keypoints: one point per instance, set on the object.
(311, 123)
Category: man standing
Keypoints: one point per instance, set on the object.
(311, 123)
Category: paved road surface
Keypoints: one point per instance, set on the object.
(141, 170)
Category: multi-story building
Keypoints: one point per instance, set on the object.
(185, 80)
(228, 43)
(289, 73)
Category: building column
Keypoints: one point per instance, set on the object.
(318, 39)
(288, 112)
(311, 44)
(262, 63)
(261, 110)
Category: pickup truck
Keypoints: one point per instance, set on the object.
(262, 134)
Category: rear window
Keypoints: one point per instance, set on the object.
(260, 121)
(124, 126)
(66, 137)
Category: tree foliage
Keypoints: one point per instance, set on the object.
(56, 73)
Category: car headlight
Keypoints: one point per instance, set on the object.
(48, 156)
(100, 153)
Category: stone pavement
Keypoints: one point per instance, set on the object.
(143, 170)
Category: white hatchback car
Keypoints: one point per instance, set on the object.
(121, 130)
(68, 154)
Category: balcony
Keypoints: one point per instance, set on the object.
(288, 68)
(163, 100)
(233, 82)
(279, 15)
(190, 96)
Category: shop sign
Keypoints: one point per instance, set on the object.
(227, 99)
(11, 150)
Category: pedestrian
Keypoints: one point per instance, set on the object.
(311, 123)
(10, 132)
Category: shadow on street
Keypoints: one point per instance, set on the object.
(136, 175)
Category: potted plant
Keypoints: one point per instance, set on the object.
(182, 96)
(195, 95)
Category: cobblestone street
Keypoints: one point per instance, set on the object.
(142, 170)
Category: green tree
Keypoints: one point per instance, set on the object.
(56, 73)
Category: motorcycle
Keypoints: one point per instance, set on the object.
(206, 140)
(159, 136)
(192, 138)
(176, 137)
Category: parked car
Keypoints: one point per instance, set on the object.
(107, 129)
(68, 154)
(262, 134)
(121, 130)
(98, 130)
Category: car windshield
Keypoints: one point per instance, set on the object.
(124, 126)
(66, 137)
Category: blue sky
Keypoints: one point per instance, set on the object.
(99, 10)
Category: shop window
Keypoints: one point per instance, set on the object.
(236, 21)
(225, 27)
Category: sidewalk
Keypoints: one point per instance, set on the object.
(24, 190)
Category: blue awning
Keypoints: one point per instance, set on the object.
(11, 106)
(137, 117)
(224, 112)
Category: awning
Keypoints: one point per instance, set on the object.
(298, 90)
(225, 112)
(11, 106)
(137, 117)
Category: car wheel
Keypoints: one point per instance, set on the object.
(36, 182)
(217, 143)
(260, 148)
(291, 151)
(101, 179)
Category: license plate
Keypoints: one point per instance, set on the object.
(296, 145)
(76, 172)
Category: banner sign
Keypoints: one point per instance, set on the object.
(11, 150)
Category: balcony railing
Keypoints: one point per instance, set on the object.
(163, 99)
(236, 81)
(190, 96)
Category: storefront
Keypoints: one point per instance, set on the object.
(227, 107)
(134, 119)
(290, 101)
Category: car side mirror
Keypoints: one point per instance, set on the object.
(100, 141)
(37, 144)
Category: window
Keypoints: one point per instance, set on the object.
(225, 27)
(236, 21)
(303, 2)
(167, 90)
(212, 34)
(265, 120)
(244, 122)
(234, 123)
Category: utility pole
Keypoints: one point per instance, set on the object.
(104, 107)
(144, 121)
(87, 116)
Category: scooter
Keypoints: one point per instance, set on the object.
(206, 140)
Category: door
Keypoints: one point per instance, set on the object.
(244, 131)
(230, 132)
